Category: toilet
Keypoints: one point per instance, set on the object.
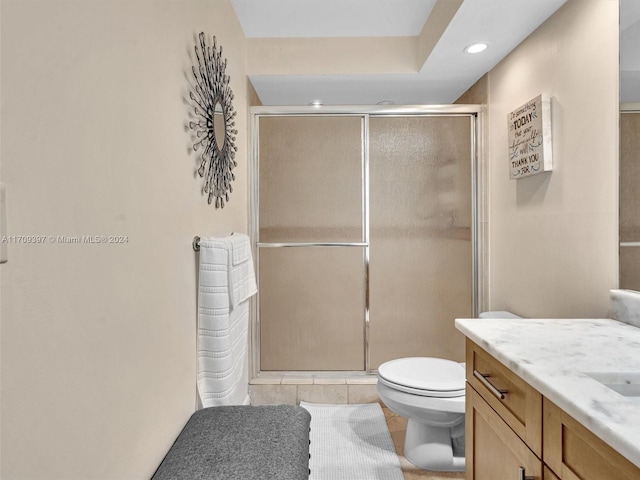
(429, 393)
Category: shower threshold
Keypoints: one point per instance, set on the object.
(340, 387)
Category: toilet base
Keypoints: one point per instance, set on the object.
(430, 448)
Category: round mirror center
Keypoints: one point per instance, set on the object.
(219, 126)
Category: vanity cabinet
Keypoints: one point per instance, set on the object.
(520, 408)
(493, 450)
(503, 421)
(514, 433)
(548, 474)
(574, 453)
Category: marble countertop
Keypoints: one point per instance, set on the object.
(555, 355)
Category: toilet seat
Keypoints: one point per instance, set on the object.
(425, 376)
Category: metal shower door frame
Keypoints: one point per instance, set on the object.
(474, 112)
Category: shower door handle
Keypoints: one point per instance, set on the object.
(483, 379)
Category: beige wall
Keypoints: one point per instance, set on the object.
(317, 56)
(98, 341)
(553, 236)
(477, 94)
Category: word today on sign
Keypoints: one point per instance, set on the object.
(530, 148)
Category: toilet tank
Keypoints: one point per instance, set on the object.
(498, 314)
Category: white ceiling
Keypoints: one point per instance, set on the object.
(446, 74)
(332, 18)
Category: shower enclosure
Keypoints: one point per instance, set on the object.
(365, 226)
(629, 197)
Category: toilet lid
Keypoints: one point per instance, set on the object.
(426, 375)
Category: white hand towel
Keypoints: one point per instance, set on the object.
(222, 330)
(242, 279)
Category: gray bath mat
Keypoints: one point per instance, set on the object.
(351, 442)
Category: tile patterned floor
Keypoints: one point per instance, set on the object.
(323, 388)
(398, 426)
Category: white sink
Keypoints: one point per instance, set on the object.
(624, 383)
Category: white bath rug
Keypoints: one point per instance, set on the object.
(351, 442)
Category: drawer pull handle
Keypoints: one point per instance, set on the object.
(483, 379)
(521, 475)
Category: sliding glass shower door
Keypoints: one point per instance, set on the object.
(365, 240)
(311, 249)
(420, 245)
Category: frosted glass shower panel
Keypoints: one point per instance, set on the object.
(629, 175)
(629, 210)
(311, 308)
(420, 240)
(311, 175)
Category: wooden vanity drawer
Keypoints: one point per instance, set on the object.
(519, 404)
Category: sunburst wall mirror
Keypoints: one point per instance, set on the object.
(214, 129)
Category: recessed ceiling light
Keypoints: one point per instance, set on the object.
(476, 47)
(316, 103)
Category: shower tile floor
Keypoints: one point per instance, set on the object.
(398, 426)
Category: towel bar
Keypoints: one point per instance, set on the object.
(196, 243)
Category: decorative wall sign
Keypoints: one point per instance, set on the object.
(530, 148)
(214, 130)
